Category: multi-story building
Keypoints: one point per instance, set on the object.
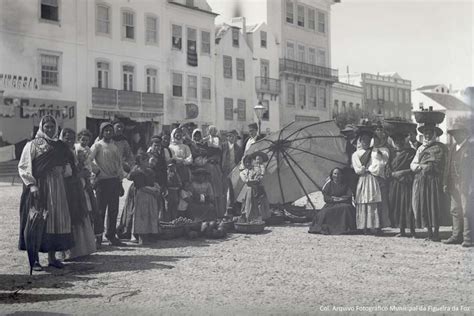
(234, 78)
(346, 97)
(384, 95)
(150, 63)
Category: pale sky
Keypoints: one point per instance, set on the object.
(425, 41)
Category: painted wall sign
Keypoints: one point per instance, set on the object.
(18, 82)
(192, 111)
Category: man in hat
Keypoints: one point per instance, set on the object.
(458, 177)
(253, 132)
(428, 165)
(231, 153)
(107, 161)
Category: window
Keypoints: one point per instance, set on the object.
(374, 92)
(50, 10)
(206, 88)
(392, 94)
(192, 39)
(321, 58)
(151, 80)
(205, 42)
(301, 16)
(240, 65)
(312, 96)
(289, 12)
(357, 106)
(49, 70)
(290, 50)
(380, 95)
(291, 93)
(103, 19)
(385, 93)
(311, 19)
(235, 37)
(263, 39)
(321, 22)
(192, 87)
(228, 109)
(177, 37)
(312, 56)
(151, 24)
(127, 75)
(177, 85)
(128, 25)
(336, 106)
(407, 96)
(302, 95)
(351, 106)
(227, 67)
(343, 108)
(241, 110)
(301, 53)
(103, 75)
(266, 112)
(400, 96)
(368, 91)
(322, 97)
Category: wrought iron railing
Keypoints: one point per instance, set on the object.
(305, 69)
(267, 85)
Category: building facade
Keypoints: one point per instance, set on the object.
(384, 95)
(346, 97)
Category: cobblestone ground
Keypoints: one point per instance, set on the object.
(283, 271)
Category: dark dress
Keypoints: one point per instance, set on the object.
(335, 218)
(400, 189)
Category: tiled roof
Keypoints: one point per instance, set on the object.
(429, 87)
(449, 102)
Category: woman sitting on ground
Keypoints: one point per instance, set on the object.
(337, 217)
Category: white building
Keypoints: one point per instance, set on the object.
(452, 106)
(346, 97)
(385, 94)
(234, 79)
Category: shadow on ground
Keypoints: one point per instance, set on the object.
(18, 297)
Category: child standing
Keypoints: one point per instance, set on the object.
(174, 187)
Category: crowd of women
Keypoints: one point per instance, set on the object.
(181, 174)
(395, 181)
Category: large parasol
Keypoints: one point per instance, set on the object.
(301, 156)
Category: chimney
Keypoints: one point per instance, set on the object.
(240, 22)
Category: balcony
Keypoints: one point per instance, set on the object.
(267, 85)
(127, 100)
(308, 70)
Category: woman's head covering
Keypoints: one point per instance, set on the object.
(212, 128)
(41, 134)
(438, 131)
(102, 127)
(197, 130)
(174, 140)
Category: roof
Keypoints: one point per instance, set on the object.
(207, 9)
(220, 31)
(449, 102)
(252, 28)
(429, 87)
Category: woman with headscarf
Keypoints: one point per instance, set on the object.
(368, 195)
(44, 163)
(198, 149)
(379, 170)
(182, 155)
(82, 232)
(337, 217)
(428, 166)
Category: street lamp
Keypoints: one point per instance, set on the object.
(258, 109)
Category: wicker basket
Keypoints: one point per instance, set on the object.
(228, 226)
(195, 226)
(399, 127)
(250, 228)
(433, 117)
(275, 220)
(170, 231)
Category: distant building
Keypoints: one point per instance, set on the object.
(435, 88)
(385, 94)
(452, 106)
(347, 97)
(466, 95)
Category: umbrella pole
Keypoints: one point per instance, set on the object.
(279, 177)
(298, 179)
(304, 172)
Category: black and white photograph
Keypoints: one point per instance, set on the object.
(236, 157)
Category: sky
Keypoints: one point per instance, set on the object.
(425, 41)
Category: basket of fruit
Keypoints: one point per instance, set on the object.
(213, 230)
(193, 225)
(227, 225)
(429, 116)
(173, 229)
(255, 227)
(294, 212)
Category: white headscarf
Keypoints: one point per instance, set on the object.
(213, 141)
(174, 140)
(41, 134)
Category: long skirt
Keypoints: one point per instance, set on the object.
(172, 201)
(336, 219)
(124, 229)
(367, 216)
(384, 210)
(146, 211)
(218, 188)
(427, 200)
(255, 205)
(84, 240)
(400, 203)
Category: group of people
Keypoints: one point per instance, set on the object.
(395, 181)
(181, 174)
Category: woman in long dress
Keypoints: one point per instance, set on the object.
(428, 166)
(368, 195)
(401, 182)
(182, 155)
(213, 166)
(337, 217)
(379, 170)
(44, 163)
(82, 232)
(255, 205)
